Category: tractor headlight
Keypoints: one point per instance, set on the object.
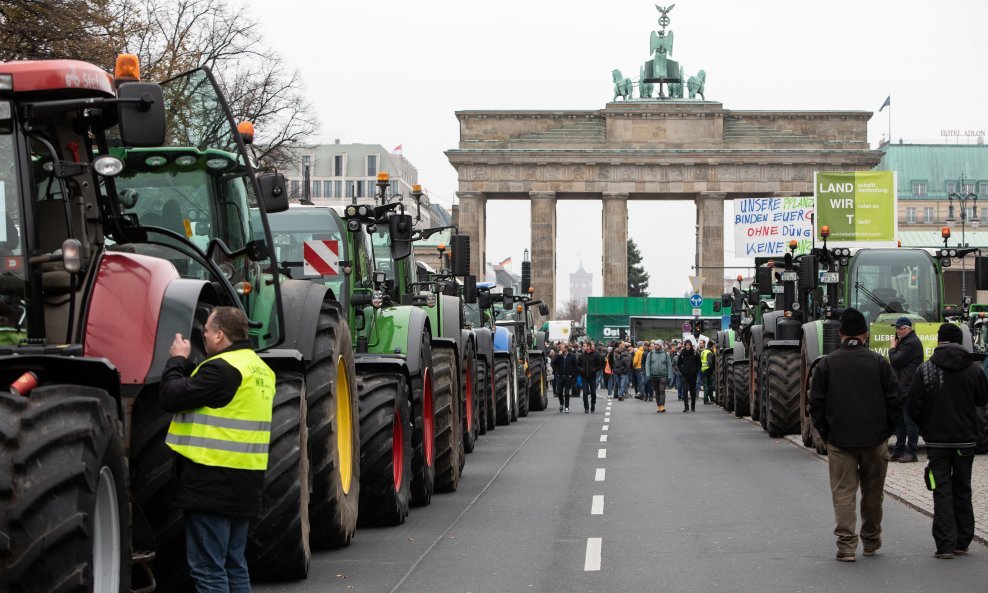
(377, 299)
(431, 300)
(186, 160)
(353, 225)
(155, 161)
(108, 166)
(218, 163)
(351, 211)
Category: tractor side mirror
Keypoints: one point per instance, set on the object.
(752, 298)
(543, 309)
(400, 229)
(274, 193)
(764, 278)
(470, 289)
(508, 297)
(460, 254)
(142, 123)
(981, 272)
(484, 300)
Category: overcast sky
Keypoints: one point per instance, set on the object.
(394, 72)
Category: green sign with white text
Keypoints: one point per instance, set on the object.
(859, 207)
(881, 334)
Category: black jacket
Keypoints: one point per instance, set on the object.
(688, 363)
(905, 359)
(854, 397)
(946, 415)
(565, 365)
(621, 362)
(589, 363)
(221, 490)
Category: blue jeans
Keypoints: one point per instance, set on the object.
(215, 550)
(906, 435)
(622, 383)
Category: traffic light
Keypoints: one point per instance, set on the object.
(699, 325)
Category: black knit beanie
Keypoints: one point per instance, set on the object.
(950, 332)
(852, 323)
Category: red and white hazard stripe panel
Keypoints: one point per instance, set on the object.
(321, 258)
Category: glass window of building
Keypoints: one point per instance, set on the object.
(316, 186)
(337, 189)
(928, 214)
(349, 189)
(338, 166)
(360, 189)
(983, 188)
(295, 187)
(372, 165)
(969, 213)
(327, 189)
(919, 188)
(967, 188)
(951, 187)
(910, 215)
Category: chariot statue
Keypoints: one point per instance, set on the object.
(660, 68)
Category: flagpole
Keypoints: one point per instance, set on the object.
(890, 117)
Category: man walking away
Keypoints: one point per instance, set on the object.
(854, 406)
(565, 367)
(220, 432)
(942, 400)
(638, 376)
(689, 366)
(658, 366)
(590, 362)
(707, 362)
(905, 356)
(677, 377)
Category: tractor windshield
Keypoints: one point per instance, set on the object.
(13, 286)
(309, 245)
(894, 281)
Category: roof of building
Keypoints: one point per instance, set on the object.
(932, 238)
(935, 164)
(355, 155)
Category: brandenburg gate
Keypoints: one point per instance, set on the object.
(651, 148)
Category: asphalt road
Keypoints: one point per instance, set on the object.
(698, 502)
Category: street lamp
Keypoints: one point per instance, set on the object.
(962, 200)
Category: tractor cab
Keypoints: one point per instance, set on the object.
(885, 284)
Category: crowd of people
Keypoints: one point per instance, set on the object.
(644, 370)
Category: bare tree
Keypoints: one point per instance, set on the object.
(89, 30)
(573, 309)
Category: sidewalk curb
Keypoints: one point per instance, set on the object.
(980, 534)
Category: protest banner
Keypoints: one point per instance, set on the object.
(763, 226)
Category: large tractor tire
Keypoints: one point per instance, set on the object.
(424, 428)
(385, 448)
(811, 437)
(782, 398)
(761, 385)
(538, 399)
(515, 390)
(752, 386)
(64, 506)
(278, 540)
(469, 396)
(729, 392)
(738, 380)
(334, 439)
(502, 389)
(522, 391)
(449, 434)
(484, 379)
(491, 398)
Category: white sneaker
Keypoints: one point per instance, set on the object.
(567, 410)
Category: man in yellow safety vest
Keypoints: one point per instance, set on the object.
(707, 361)
(220, 431)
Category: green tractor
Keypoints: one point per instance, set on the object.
(528, 353)
(334, 252)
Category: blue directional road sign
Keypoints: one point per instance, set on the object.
(696, 300)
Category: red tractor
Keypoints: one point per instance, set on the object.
(101, 268)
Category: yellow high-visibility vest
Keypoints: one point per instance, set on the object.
(704, 360)
(236, 435)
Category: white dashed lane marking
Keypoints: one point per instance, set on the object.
(599, 477)
(605, 427)
(592, 561)
(601, 453)
(597, 507)
(603, 438)
(607, 419)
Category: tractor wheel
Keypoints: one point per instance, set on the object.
(730, 392)
(491, 397)
(721, 393)
(334, 440)
(515, 390)
(483, 394)
(522, 391)
(64, 501)
(385, 449)
(471, 403)
(278, 540)
(752, 387)
(783, 392)
(537, 398)
(739, 382)
(449, 434)
(761, 385)
(424, 428)
(502, 389)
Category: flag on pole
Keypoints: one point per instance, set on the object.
(396, 148)
(887, 103)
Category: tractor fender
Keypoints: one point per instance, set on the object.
(177, 315)
(769, 321)
(381, 363)
(502, 340)
(449, 343)
(484, 340)
(449, 318)
(72, 370)
(282, 360)
(407, 324)
(124, 309)
(738, 347)
(812, 332)
(757, 332)
(302, 302)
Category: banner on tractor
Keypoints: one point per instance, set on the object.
(881, 334)
(764, 227)
(321, 258)
(859, 207)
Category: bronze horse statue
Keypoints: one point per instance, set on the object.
(622, 85)
(696, 83)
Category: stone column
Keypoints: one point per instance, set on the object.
(710, 218)
(472, 221)
(615, 234)
(543, 255)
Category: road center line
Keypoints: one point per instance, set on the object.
(606, 420)
(597, 507)
(601, 453)
(592, 561)
(606, 427)
(603, 438)
(600, 475)
(607, 413)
